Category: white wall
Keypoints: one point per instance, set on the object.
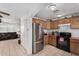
(4, 27)
(9, 25)
(26, 34)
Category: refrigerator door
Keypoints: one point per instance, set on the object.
(38, 46)
(36, 32)
(37, 42)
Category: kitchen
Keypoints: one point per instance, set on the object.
(41, 29)
(62, 33)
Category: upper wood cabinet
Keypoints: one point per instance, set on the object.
(55, 24)
(35, 20)
(75, 22)
(43, 24)
(64, 21)
(52, 25)
(48, 25)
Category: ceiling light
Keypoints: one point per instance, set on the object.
(52, 7)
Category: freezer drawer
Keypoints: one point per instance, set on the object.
(37, 46)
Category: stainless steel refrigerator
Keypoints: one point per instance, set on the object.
(37, 38)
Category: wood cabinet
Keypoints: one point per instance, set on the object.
(74, 46)
(34, 20)
(48, 25)
(75, 22)
(51, 25)
(54, 25)
(61, 21)
(67, 21)
(64, 21)
(43, 24)
(52, 40)
(46, 37)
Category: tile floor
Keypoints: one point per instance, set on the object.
(12, 48)
(53, 51)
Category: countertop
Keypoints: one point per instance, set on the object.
(75, 38)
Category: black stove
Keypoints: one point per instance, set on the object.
(63, 41)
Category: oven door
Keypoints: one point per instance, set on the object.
(63, 43)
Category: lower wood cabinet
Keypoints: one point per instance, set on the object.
(46, 37)
(74, 46)
(52, 40)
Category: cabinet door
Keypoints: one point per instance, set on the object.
(34, 20)
(74, 47)
(52, 25)
(61, 21)
(55, 24)
(48, 25)
(64, 21)
(54, 40)
(43, 24)
(75, 22)
(46, 40)
(67, 21)
(50, 40)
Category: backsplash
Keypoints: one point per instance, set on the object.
(50, 31)
(74, 32)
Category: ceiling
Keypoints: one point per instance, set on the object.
(64, 9)
(21, 9)
(18, 10)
